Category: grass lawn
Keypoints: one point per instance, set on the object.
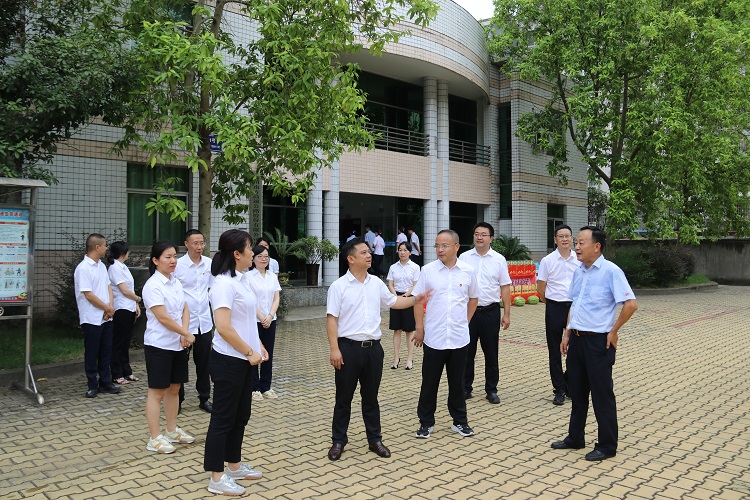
(50, 344)
(694, 279)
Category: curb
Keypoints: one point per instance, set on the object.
(703, 287)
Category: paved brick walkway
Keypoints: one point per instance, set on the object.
(681, 379)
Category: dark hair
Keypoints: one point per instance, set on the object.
(367, 226)
(257, 250)
(117, 250)
(350, 246)
(159, 248)
(93, 240)
(192, 232)
(485, 225)
(563, 226)
(229, 241)
(405, 244)
(263, 238)
(402, 229)
(597, 235)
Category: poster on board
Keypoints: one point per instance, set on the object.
(14, 255)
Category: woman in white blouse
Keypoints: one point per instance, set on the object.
(265, 285)
(236, 351)
(402, 276)
(126, 312)
(165, 344)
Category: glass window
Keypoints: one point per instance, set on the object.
(144, 229)
(506, 161)
(555, 217)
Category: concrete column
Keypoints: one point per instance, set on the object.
(443, 164)
(314, 216)
(331, 230)
(430, 212)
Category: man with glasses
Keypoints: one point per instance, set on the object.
(194, 272)
(553, 281)
(443, 331)
(494, 282)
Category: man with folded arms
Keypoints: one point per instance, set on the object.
(590, 342)
(353, 326)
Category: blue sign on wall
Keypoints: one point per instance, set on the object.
(214, 144)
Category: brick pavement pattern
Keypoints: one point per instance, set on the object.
(681, 380)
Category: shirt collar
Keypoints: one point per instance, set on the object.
(570, 257)
(90, 261)
(351, 277)
(163, 279)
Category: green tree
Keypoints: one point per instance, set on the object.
(653, 95)
(280, 103)
(60, 66)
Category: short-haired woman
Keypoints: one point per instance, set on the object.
(126, 312)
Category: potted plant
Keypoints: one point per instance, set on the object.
(314, 251)
(283, 247)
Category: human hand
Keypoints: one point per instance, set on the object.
(564, 343)
(505, 322)
(337, 360)
(418, 338)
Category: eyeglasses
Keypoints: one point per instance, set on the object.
(198, 244)
(444, 246)
(481, 235)
(564, 237)
(262, 257)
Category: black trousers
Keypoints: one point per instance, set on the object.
(232, 404)
(590, 371)
(454, 361)
(97, 356)
(485, 329)
(363, 365)
(377, 264)
(555, 319)
(122, 333)
(262, 380)
(201, 351)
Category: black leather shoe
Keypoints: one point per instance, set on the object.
(596, 455)
(206, 406)
(467, 395)
(562, 445)
(111, 389)
(336, 450)
(493, 398)
(91, 393)
(379, 449)
(559, 399)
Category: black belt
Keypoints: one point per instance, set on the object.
(581, 333)
(360, 343)
(488, 306)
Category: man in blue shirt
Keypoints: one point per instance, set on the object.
(590, 342)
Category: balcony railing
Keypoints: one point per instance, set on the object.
(399, 140)
(468, 152)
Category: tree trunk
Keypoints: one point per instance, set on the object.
(205, 180)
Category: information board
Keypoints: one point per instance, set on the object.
(14, 255)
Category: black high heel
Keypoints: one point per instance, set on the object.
(395, 367)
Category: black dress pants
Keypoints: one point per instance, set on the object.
(263, 373)
(232, 405)
(454, 361)
(363, 365)
(590, 371)
(484, 328)
(97, 353)
(122, 333)
(555, 320)
(201, 351)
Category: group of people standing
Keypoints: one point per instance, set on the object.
(238, 286)
(456, 304)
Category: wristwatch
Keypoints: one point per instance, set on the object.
(249, 353)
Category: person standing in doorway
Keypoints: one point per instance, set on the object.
(369, 237)
(553, 281)
(494, 283)
(378, 253)
(194, 272)
(416, 250)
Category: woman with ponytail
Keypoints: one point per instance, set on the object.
(126, 312)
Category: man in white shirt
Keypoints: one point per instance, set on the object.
(416, 250)
(494, 282)
(95, 310)
(194, 272)
(553, 281)
(353, 328)
(444, 332)
(378, 253)
(369, 238)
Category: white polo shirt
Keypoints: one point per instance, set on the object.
(379, 244)
(403, 276)
(401, 237)
(196, 280)
(91, 276)
(119, 273)
(492, 273)
(160, 290)
(357, 306)
(557, 272)
(412, 240)
(236, 295)
(446, 324)
(264, 288)
(273, 265)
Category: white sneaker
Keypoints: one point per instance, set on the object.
(225, 486)
(244, 472)
(160, 444)
(270, 394)
(257, 396)
(179, 436)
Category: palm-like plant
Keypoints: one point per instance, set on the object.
(282, 245)
(511, 248)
